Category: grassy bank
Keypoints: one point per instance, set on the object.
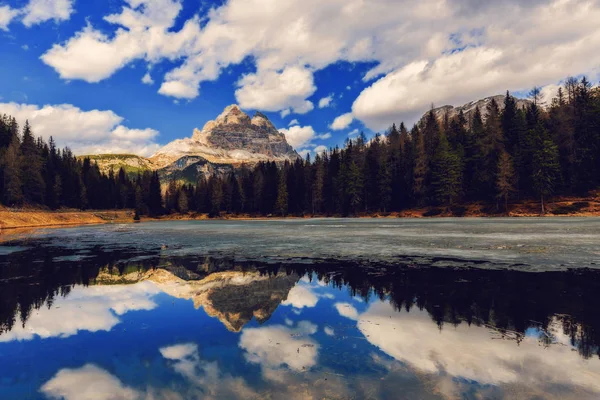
(11, 218)
(35, 218)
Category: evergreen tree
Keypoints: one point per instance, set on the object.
(446, 173)
(31, 167)
(13, 191)
(505, 178)
(281, 206)
(546, 168)
(420, 169)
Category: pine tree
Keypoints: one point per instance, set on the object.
(446, 173)
(182, 201)
(545, 166)
(355, 187)
(420, 168)
(13, 191)
(31, 167)
(505, 178)
(281, 205)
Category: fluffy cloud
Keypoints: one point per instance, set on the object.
(7, 14)
(325, 101)
(342, 122)
(273, 91)
(301, 296)
(294, 122)
(469, 352)
(320, 149)
(440, 51)
(87, 383)
(274, 347)
(346, 310)
(147, 79)
(38, 11)
(90, 309)
(86, 132)
(297, 135)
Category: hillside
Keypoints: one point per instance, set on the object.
(130, 163)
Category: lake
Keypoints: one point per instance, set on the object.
(300, 309)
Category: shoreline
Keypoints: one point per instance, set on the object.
(12, 220)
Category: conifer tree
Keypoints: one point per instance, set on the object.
(546, 168)
(420, 168)
(446, 173)
(31, 166)
(505, 178)
(281, 205)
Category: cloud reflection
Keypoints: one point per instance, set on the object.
(95, 308)
(476, 353)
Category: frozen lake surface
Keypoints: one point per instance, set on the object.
(298, 309)
(535, 244)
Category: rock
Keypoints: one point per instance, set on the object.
(469, 108)
(231, 140)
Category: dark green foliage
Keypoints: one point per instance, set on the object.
(535, 152)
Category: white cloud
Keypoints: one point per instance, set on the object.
(354, 132)
(320, 149)
(206, 376)
(38, 11)
(285, 113)
(7, 14)
(301, 296)
(25, 47)
(297, 135)
(274, 347)
(294, 122)
(276, 91)
(304, 152)
(90, 309)
(325, 101)
(329, 331)
(342, 122)
(85, 132)
(87, 383)
(440, 51)
(346, 310)
(324, 136)
(469, 352)
(147, 79)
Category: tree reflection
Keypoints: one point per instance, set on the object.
(510, 302)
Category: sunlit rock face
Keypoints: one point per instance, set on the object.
(232, 138)
(233, 297)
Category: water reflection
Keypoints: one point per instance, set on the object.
(203, 327)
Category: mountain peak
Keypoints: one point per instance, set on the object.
(232, 137)
(232, 115)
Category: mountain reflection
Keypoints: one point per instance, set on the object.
(551, 306)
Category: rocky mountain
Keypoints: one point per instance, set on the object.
(233, 297)
(231, 140)
(469, 108)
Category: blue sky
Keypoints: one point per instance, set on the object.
(129, 76)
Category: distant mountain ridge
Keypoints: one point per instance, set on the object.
(231, 140)
(469, 108)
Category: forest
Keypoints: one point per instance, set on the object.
(501, 154)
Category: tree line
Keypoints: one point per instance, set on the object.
(499, 154)
(33, 172)
(511, 154)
